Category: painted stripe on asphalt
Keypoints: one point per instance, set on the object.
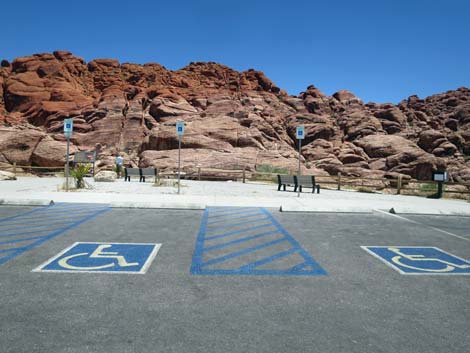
(422, 224)
(237, 241)
(243, 252)
(237, 224)
(223, 235)
(13, 252)
(257, 214)
(268, 259)
(254, 254)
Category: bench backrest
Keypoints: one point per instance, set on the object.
(149, 171)
(132, 171)
(305, 180)
(285, 179)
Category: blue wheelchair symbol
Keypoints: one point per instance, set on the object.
(102, 257)
(420, 260)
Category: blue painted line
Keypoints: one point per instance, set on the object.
(58, 213)
(237, 241)
(23, 233)
(228, 211)
(299, 266)
(223, 235)
(18, 251)
(268, 259)
(198, 249)
(238, 224)
(12, 249)
(36, 225)
(243, 252)
(49, 217)
(24, 213)
(229, 215)
(257, 214)
(19, 240)
(294, 242)
(271, 253)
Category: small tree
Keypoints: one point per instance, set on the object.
(79, 172)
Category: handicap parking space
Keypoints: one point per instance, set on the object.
(23, 231)
(7, 212)
(357, 304)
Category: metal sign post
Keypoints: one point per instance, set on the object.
(300, 134)
(179, 132)
(68, 129)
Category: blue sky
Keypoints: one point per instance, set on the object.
(382, 50)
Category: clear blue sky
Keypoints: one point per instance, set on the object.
(381, 50)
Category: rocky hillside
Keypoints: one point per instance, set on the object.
(233, 119)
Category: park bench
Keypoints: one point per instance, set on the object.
(131, 172)
(307, 181)
(147, 172)
(285, 180)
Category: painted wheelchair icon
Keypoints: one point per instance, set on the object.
(102, 257)
(99, 253)
(420, 260)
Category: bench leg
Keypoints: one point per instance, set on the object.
(284, 187)
(318, 189)
(300, 188)
(295, 188)
(279, 187)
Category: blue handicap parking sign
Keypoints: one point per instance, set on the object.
(420, 260)
(102, 257)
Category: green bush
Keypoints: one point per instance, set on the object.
(428, 187)
(79, 172)
(265, 168)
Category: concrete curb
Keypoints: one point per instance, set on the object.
(25, 202)
(156, 205)
(289, 208)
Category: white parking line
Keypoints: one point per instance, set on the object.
(422, 224)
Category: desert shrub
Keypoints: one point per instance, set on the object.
(365, 190)
(266, 168)
(79, 172)
(428, 187)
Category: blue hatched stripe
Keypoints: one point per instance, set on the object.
(36, 229)
(222, 219)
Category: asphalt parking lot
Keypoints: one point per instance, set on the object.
(230, 280)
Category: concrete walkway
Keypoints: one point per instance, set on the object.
(199, 194)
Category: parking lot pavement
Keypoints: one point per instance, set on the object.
(324, 292)
(457, 226)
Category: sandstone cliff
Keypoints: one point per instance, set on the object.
(233, 119)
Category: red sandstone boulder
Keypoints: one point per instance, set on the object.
(17, 145)
(51, 153)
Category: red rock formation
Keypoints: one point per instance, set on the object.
(233, 120)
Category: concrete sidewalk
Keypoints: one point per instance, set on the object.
(201, 194)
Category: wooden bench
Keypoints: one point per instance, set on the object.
(307, 181)
(130, 172)
(285, 180)
(147, 172)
